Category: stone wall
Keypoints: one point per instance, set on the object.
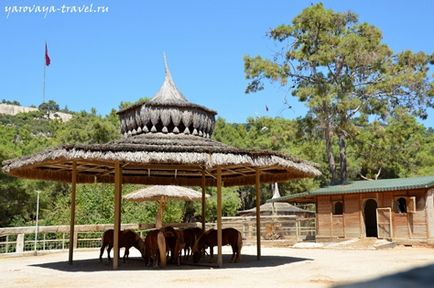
(15, 109)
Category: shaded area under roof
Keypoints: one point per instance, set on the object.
(365, 186)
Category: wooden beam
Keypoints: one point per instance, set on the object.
(258, 214)
(219, 217)
(117, 218)
(73, 198)
(203, 199)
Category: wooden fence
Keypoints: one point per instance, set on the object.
(285, 227)
(22, 239)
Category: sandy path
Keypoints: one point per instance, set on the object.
(279, 267)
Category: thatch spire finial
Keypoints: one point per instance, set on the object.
(276, 193)
(166, 67)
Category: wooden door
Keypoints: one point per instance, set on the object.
(384, 223)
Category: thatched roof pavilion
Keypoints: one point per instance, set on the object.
(277, 208)
(161, 194)
(166, 142)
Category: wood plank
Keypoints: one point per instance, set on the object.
(219, 217)
(117, 216)
(73, 199)
(258, 214)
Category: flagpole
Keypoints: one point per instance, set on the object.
(43, 84)
(47, 62)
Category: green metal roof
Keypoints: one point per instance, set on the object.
(366, 186)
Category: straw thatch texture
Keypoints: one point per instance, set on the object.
(154, 193)
(167, 112)
(167, 141)
(159, 158)
(280, 208)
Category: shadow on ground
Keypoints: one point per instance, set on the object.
(422, 277)
(93, 265)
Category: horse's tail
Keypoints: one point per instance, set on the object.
(240, 245)
(161, 242)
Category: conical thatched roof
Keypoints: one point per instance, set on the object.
(162, 193)
(277, 208)
(280, 208)
(167, 112)
(166, 141)
(154, 193)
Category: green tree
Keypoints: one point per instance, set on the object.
(88, 128)
(341, 69)
(391, 149)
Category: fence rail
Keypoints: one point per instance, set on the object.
(22, 239)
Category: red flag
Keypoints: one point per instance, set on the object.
(47, 58)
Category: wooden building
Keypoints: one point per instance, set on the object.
(398, 209)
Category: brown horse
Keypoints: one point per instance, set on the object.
(174, 243)
(155, 249)
(190, 236)
(230, 236)
(127, 239)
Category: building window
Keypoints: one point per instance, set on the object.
(420, 202)
(401, 205)
(338, 208)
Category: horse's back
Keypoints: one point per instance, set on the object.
(126, 238)
(107, 237)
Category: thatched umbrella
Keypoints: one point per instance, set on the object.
(161, 194)
(276, 208)
(166, 142)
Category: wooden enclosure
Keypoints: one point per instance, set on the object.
(377, 215)
(398, 209)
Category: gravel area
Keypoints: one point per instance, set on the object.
(279, 267)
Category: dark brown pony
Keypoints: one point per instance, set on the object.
(179, 245)
(190, 236)
(127, 239)
(230, 236)
(155, 249)
(174, 243)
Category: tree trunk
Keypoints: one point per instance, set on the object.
(329, 151)
(343, 158)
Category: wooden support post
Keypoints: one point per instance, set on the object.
(258, 215)
(160, 212)
(219, 217)
(117, 224)
(72, 223)
(203, 199)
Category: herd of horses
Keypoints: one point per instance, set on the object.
(166, 245)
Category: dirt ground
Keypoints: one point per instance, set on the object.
(279, 267)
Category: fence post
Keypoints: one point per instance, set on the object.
(7, 244)
(20, 243)
(75, 239)
(63, 241)
(44, 241)
(297, 229)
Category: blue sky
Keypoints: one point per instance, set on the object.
(101, 59)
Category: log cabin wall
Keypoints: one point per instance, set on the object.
(337, 217)
(417, 224)
(352, 219)
(430, 213)
(323, 217)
